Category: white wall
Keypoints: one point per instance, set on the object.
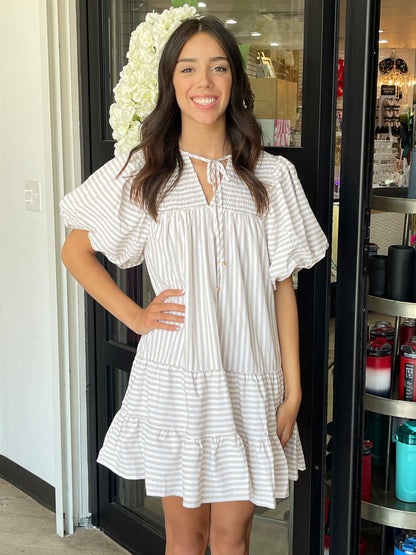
(28, 333)
(42, 360)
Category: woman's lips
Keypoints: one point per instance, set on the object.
(204, 101)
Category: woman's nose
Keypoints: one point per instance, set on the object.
(204, 78)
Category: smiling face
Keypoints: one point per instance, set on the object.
(202, 82)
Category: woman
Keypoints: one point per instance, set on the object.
(209, 417)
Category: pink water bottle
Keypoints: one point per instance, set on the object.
(366, 474)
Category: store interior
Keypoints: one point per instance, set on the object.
(388, 506)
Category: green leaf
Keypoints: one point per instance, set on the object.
(180, 3)
(244, 48)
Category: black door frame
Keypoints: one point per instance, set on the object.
(361, 61)
(320, 63)
(315, 163)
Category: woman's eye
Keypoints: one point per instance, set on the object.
(220, 69)
(186, 70)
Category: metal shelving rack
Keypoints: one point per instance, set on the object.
(384, 508)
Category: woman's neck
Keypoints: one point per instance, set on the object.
(209, 143)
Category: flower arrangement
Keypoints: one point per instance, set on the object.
(136, 92)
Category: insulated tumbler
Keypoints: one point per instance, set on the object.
(366, 473)
(399, 282)
(378, 273)
(405, 440)
(407, 330)
(407, 382)
(382, 328)
(378, 367)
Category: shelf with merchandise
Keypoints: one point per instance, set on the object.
(391, 307)
(390, 407)
(392, 199)
(384, 507)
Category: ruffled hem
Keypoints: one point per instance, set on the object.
(207, 470)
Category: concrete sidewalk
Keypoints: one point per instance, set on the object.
(28, 527)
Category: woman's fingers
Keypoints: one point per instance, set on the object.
(169, 317)
(160, 313)
(285, 421)
(169, 293)
(170, 307)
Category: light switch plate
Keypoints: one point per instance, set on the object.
(32, 195)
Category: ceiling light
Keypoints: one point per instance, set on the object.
(274, 44)
(231, 22)
(255, 34)
(384, 41)
(202, 5)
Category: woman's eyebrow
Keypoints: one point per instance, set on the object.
(213, 59)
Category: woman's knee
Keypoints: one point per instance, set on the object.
(187, 530)
(230, 528)
(186, 544)
(224, 542)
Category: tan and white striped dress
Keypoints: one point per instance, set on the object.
(198, 418)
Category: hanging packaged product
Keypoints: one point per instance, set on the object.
(378, 367)
(405, 439)
(382, 328)
(407, 383)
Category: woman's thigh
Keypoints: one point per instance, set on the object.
(230, 527)
(187, 530)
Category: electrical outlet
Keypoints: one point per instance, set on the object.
(32, 195)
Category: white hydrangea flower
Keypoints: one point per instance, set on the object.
(136, 92)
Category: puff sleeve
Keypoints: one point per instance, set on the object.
(293, 235)
(101, 205)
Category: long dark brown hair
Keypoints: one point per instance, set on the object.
(161, 130)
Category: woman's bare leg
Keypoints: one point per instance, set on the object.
(230, 527)
(187, 530)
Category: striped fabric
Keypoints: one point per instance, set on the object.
(198, 418)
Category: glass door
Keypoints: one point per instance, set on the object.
(286, 72)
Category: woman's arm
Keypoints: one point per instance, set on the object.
(79, 257)
(288, 330)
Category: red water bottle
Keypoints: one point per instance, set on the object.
(383, 329)
(407, 330)
(366, 474)
(378, 367)
(407, 383)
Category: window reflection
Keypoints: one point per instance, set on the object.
(273, 29)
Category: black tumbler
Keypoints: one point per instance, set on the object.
(400, 272)
(378, 272)
(414, 280)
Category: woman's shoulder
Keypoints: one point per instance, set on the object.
(271, 167)
(133, 161)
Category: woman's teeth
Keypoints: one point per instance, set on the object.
(204, 101)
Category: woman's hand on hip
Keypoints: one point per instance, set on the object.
(159, 314)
